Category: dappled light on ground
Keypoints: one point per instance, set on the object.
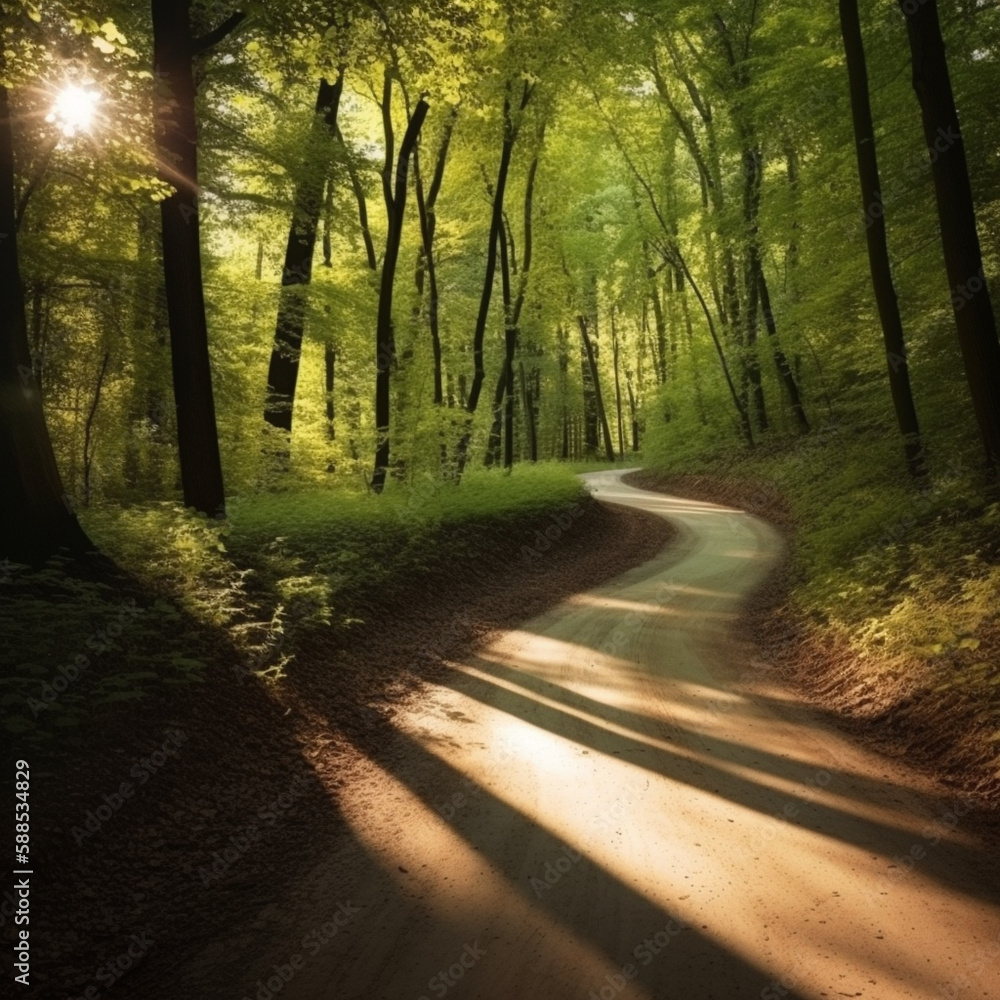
(605, 800)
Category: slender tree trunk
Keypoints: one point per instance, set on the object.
(780, 361)
(331, 404)
(428, 230)
(661, 332)
(176, 133)
(88, 428)
(878, 250)
(283, 373)
(529, 413)
(510, 133)
(591, 356)
(512, 312)
(974, 317)
(632, 412)
(385, 338)
(618, 384)
(38, 519)
(752, 168)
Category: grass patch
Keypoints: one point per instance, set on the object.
(908, 578)
(77, 645)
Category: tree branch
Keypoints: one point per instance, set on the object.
(199, 45)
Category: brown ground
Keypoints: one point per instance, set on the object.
(947, 734)
(145, 878)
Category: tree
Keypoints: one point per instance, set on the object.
(878, 248)
(974, 316)
(512, 121)
(38, 519)
(296, 275)
(395, 199)
(174, 51)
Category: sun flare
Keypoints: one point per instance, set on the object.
(74, 110)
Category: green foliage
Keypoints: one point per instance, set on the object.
(321, 552)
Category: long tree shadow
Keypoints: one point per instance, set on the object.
(953, 864)
(546, 933)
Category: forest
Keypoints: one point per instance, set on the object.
(313, 314)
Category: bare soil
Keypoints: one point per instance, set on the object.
(223, 802)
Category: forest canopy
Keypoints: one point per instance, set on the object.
(277, 245)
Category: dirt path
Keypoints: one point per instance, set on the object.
(603, 803)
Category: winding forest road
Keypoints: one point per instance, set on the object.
(601, 804)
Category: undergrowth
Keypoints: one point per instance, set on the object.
(282, 562)
(909, 577)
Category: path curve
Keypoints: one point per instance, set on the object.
(602, 804)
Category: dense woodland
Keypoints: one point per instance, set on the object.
(371, 243)
(310, 312)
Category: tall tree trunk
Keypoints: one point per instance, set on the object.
(752, 169)
(878, 250)
(780, 361)
(591, 356)
(661, 331)
(428, 261)
(385, 337)
(618, 384)
(331, 404)
(283, 373)
(974, 317)
(512, 312)
(511, 128)
(632, 412)
(37, 519)
(530, 416)
(176, 132)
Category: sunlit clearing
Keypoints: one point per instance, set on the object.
(74, 110)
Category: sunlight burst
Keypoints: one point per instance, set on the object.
(74, 110)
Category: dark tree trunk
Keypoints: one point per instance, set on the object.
(591, 357)
(878, 250)
(385, 337)
(88, 429)
(661, 332)
(974, 317)
(283, 373)
(511, 129)
(362, 200)
(428, 259)
(618, 384)
(37, 519)
(591, 418)
(512, 316)
(780, 361)
(331, 404)
(176, 133)
(752, 168)
(529, 412)
(632, 412)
